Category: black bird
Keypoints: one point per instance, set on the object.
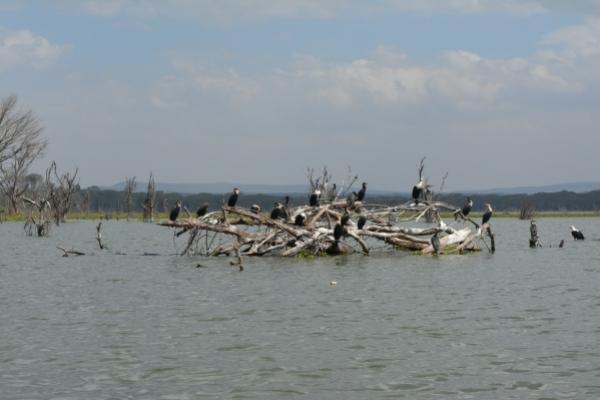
(362, 220)
(417, 191)
(234, 197)
(466, 210)
(361, 193)
(467, 207)
(338, 231)
(487, 215)
(277, 211)
(577, 235)
(202, 210)
(175, 211)
(300, 219)
(345, 218)
(313, 201)
(435, 242)
(255, 208)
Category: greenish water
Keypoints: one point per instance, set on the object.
(519, 324)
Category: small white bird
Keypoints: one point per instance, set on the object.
(332, 283)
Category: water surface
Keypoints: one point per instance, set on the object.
(519, 324)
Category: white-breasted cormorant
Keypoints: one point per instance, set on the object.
(300, 219)
(234, 197)
(576, 233)
(487, 215)
(313, 201)
(417, 191)
(277, 211)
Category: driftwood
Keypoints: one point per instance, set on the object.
(240, 232)
(68, 253)
(99, 236)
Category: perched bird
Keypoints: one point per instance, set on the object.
(345, 218)
(466, 210)
(577, 235)
(362, 220)
(300, 219)
(255, 208)
(202, 210)
(338, 231)
(533, 230)
(361, 193)
(234, 197)
(435, 242)
(315, 196)
(277, 211)
(417, 191)
(175, 211)
(487, 215)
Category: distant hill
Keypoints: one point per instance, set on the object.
(225, 187)
(576, 187)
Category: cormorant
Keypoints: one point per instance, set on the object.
(300, 219)
(487, 215)
(313, 201)
(362, 220)
(361, 193)
(417, 191)
(175, 211)
(255, 208)
(466, 210)
(435, 242)
(351, 199)
(345, 218)
(234, 197)
(277, 211)
(577, 235)
(338, 231)
(202, 210)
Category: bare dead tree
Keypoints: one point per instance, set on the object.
(150, 200)
(527, 211)
(130, 185)
(61, 190)
(20, 145)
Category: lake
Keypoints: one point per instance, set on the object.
(520, 324)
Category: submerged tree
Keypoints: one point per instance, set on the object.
(20, 145)
(130, 185)
(150, 200)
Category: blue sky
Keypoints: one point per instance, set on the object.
(496, 93)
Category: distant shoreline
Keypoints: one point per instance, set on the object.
(137, 216)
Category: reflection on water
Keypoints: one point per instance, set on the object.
(520, 324)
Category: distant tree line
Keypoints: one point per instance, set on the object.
(104, 200)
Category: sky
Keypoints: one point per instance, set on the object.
(495, 93)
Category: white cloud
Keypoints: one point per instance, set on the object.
(25, 48)
(578, 40)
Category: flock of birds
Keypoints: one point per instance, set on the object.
(279, 210)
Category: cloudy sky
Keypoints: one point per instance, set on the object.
(494, 92)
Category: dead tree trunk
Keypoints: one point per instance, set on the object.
(130, 185)
(150, 200)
